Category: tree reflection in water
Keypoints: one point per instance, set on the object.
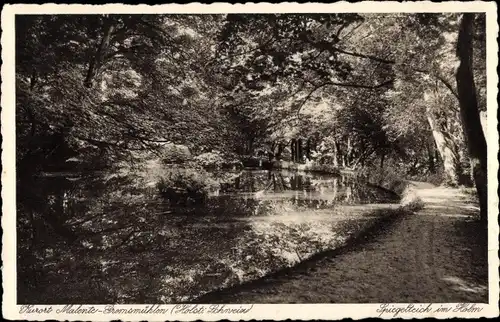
(105, 239)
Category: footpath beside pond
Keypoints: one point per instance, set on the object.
(438, 254)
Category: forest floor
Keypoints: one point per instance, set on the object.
(437, 254)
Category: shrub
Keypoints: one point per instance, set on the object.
(176, 154)
(396, 172)
(410, 199)
(324, 158)
(210, 160)
(186, 186)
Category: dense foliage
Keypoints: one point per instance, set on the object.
(356, 91)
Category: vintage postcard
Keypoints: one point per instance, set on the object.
(249, 161)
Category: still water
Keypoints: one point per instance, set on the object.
(109, 239)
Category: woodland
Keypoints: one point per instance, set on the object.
(400, 91)
(381, 95)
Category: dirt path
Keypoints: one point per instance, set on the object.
(438, 254)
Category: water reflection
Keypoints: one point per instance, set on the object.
(109, 239)
(304, 189)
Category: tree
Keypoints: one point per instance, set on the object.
(115, 86)
(469, 111)
(424, 63)
(300, 52)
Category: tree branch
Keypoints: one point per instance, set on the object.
(385, 83)
(304, 101)
(331, 48)
(325, 45)
(317, 87)
(360, 55)
(447, 84)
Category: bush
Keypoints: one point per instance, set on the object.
(176, 154)
(210, 160)
(395, 172)
(186, 186)
(410, 199)
(323, 158)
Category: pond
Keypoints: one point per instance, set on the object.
(111, 239)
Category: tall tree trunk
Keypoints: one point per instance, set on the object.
(447, 153)
(335, 155)
(250, 146)
(308, 149)
(483, 117)
(348, 154)
(31, 116)
(96, 61)
(469, 112)
(431, 162)
(299, 150)
(270, 153)
(293, 145)
(280, 151)
(338, 158)
(436, 156)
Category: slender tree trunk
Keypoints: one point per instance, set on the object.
(348, 154)
(430, 155)
(308, 149)
(382, 159)
(270, 152)
(436, 156)
(250, 146)
(469, 113)
(482, 116)
(292, 148)
(299, 151)
(280, 151)
(338, 158)
(335, 155)
(96, 61)
(447, 153)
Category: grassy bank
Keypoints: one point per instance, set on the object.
(364, 232)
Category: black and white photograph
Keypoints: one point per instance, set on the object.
(244, 158)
